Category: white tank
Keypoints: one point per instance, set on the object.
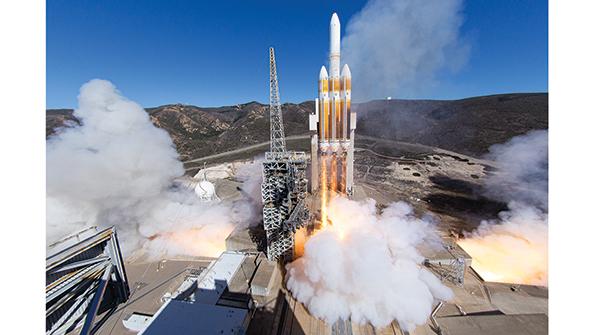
(205, 190)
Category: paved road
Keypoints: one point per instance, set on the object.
(244, 149)
(302, 137)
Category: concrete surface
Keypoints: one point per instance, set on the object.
(523, 324)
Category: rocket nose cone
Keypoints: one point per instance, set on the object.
(334, 19)
(346, 72)
(335, 37)
(323, 73)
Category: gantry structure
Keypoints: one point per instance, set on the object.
(84, 275)
(284, 182)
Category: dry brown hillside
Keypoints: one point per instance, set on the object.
(467, 126)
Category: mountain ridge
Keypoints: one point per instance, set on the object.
(468, 126)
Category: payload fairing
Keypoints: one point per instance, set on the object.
(333, 124)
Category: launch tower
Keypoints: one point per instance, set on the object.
(333, 125)
(284, 183)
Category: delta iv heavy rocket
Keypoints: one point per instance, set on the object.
(333, 125)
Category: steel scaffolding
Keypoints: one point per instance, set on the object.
(86, 268)
(284, 182)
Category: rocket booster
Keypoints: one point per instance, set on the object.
(334, 96)
(333, 123)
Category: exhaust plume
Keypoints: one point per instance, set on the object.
(117, 169)
(514, 249)
(397, 47)
(365, 266)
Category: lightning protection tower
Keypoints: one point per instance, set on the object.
(276, 116)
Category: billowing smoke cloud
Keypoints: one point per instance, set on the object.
(251, 177)
(397, 47)
(523, 170)
(117, 169)
(514, 248)
(250, 174)
(365, 266)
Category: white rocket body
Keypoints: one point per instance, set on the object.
(335, 46)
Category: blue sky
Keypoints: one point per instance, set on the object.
(213, 53)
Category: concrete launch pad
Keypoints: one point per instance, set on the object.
(477, 304)
(478, 307)
(257, 288)
(525, 324)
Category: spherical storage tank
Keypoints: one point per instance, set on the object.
(205, 190)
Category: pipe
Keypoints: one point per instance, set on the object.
(435, 325)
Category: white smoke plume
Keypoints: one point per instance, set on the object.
(117, 169)
(365, 266)
(251, 177)
(397, 47)
(514, 248)
(523, 170)
(250, 174)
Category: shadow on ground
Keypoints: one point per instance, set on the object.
(462, 200)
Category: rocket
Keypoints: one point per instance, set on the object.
(333, 124)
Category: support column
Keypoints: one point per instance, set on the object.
(314, 177)
(350, 155)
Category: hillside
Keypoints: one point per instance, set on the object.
(468, 126)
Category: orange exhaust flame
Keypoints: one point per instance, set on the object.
(504, 257)
(334, 174)
(200, 241)
(330, 185)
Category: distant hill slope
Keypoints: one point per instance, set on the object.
(56, 118)
(468, 126)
